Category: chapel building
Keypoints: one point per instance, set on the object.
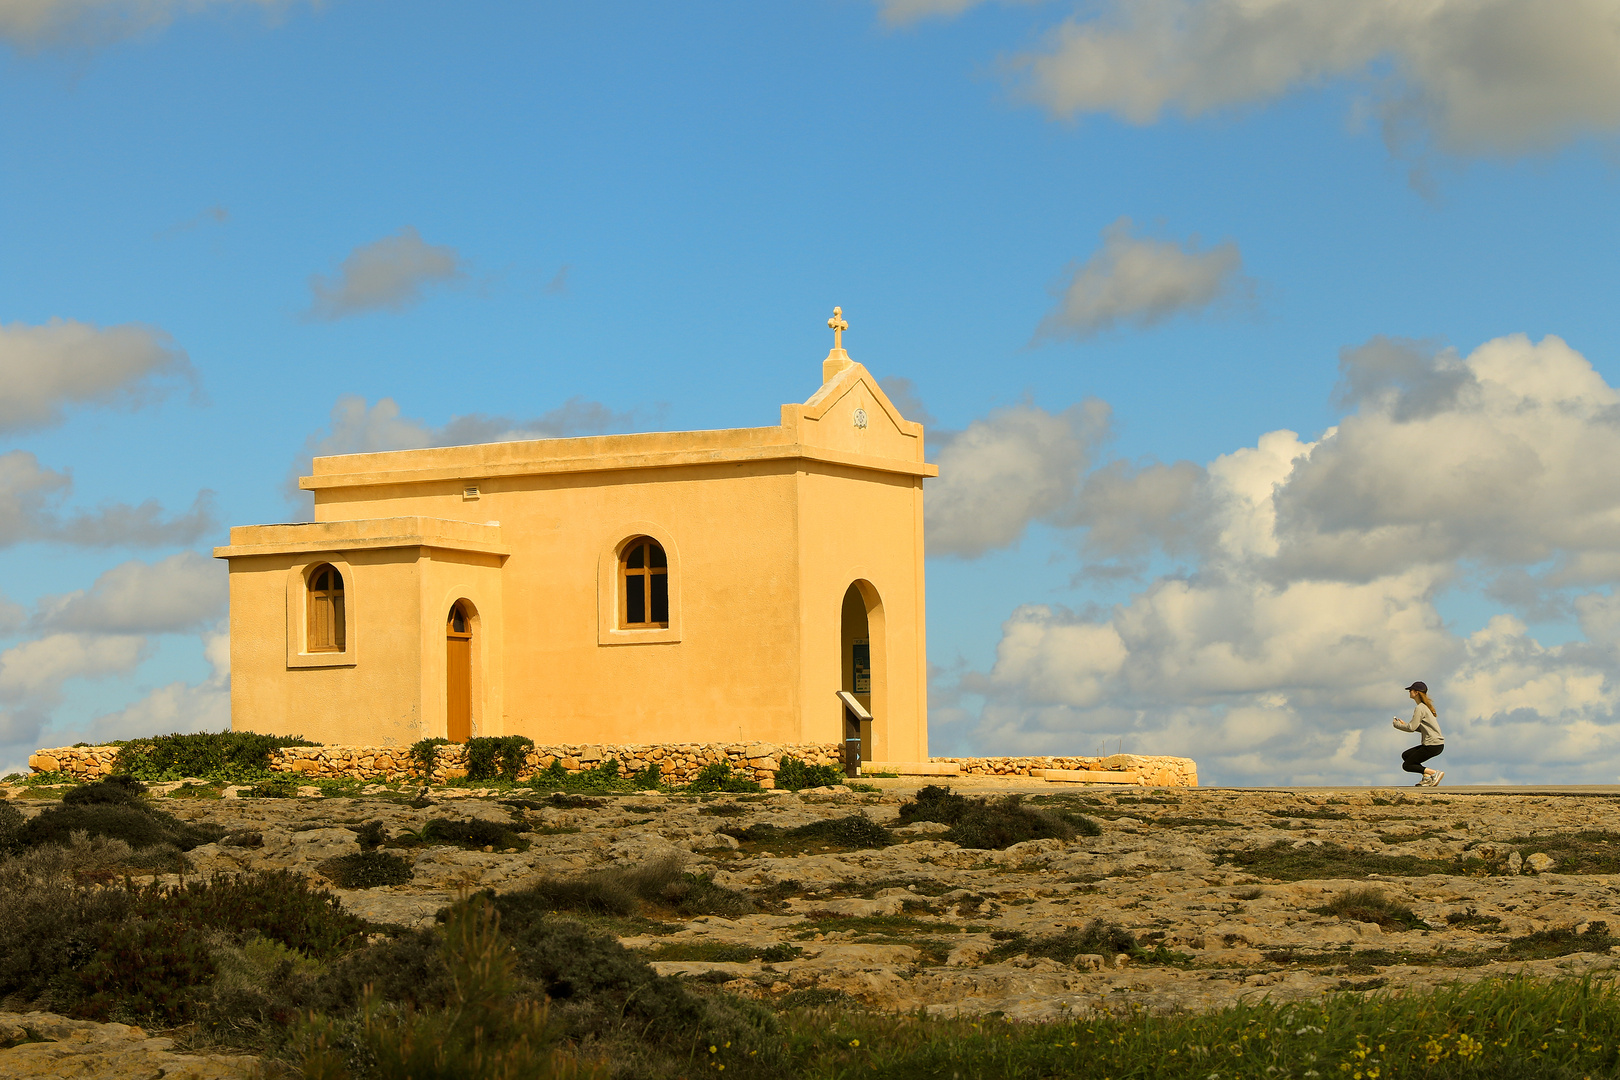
(700, 586)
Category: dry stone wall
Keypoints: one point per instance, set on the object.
(1154, 771)
(678, 763)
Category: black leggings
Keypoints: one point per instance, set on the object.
(1412, 760)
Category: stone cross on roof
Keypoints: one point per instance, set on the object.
(837, 325)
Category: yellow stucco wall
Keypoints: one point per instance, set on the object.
(765, 529)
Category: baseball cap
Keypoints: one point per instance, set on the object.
(1420, 687)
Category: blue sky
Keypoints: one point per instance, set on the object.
(1179, 210)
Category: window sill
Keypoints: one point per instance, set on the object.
(322, 659)
(653, 636)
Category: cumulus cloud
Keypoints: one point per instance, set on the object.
(33, 673)
(29, 498)
(175, 707)
(359, 428)
(180, 593)
(1143, 282)
(64, 362)
(388, 274)
(1476, 76)
(34, 24)
(1318, 570)
(1018, 465)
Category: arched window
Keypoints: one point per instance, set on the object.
(644, 577)
(326, 615)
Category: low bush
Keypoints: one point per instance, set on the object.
(147, 969)
(275, 787)
(1562, 941)
(1371, 905)
(718, 776)
(993, 824)
(622, 890)
(424, 755)
(233, 756)
(852, 833)
(1099, 938)
(11, 823)
(117, 790)
(473, 833)
(276, 904)
(1285, 862)
(366, 870)
(371, 836)
(795, 775)
(138, 824)
(489, 757)
(488, 1030)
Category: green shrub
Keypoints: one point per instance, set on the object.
(11, 823)
(1371, 905)
(853, 832)
(277, 904)
(795, 775)
(407, 970)
(647, 779)
(366, 870)
(485, 1031)
(138, 825)
(371, 836)
(473, 833)
(424, 754)
(50, 925)
(234, 756)
(993, 824)
(275, 787)
(622, 890)
(1098, 937)
(492, 756)
(116, 789)
(717, 776)
(144, 968)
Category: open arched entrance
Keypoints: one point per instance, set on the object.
(861, 662)
(458, 657)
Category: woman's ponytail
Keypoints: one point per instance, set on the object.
(1429, 702)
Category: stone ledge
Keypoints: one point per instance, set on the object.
(911, 768)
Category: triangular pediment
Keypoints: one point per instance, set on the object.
(851, 413)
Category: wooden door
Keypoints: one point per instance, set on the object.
(458, 675)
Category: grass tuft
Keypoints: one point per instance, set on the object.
(1371, 905)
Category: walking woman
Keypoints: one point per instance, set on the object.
(1426, 723)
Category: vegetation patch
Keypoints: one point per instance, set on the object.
(660, 886)
(719, 776)
(993, 824)
(1284, 862)
(473, 834)
(851, 833)
(1309, 815)
(794, 775)
(115, 808)
(1588, 852)
(229, 756)
(366, 870)
(1471, 919)
(719, 952)
(489, 757)
(1372, 905)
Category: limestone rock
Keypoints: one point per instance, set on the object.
(54, 1046)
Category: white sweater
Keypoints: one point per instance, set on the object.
(1425, 724)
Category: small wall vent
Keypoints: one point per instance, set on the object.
(469, 494)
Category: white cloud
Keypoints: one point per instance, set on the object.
(1143, 282)
(34, 24)
(359, 428)
(387, 274)
(64, 362)
(177, 707)
(33, 672)
(1476, 76)
(1018, 465)
(1317, 569)
(29, 494)
(903, 12)
(174, 595)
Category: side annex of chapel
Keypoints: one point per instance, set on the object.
(704, 586)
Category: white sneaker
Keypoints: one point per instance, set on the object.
(1434, 781)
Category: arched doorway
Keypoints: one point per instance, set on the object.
(861, 662)
(458, 654)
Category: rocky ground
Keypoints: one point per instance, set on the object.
(1219, 886)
